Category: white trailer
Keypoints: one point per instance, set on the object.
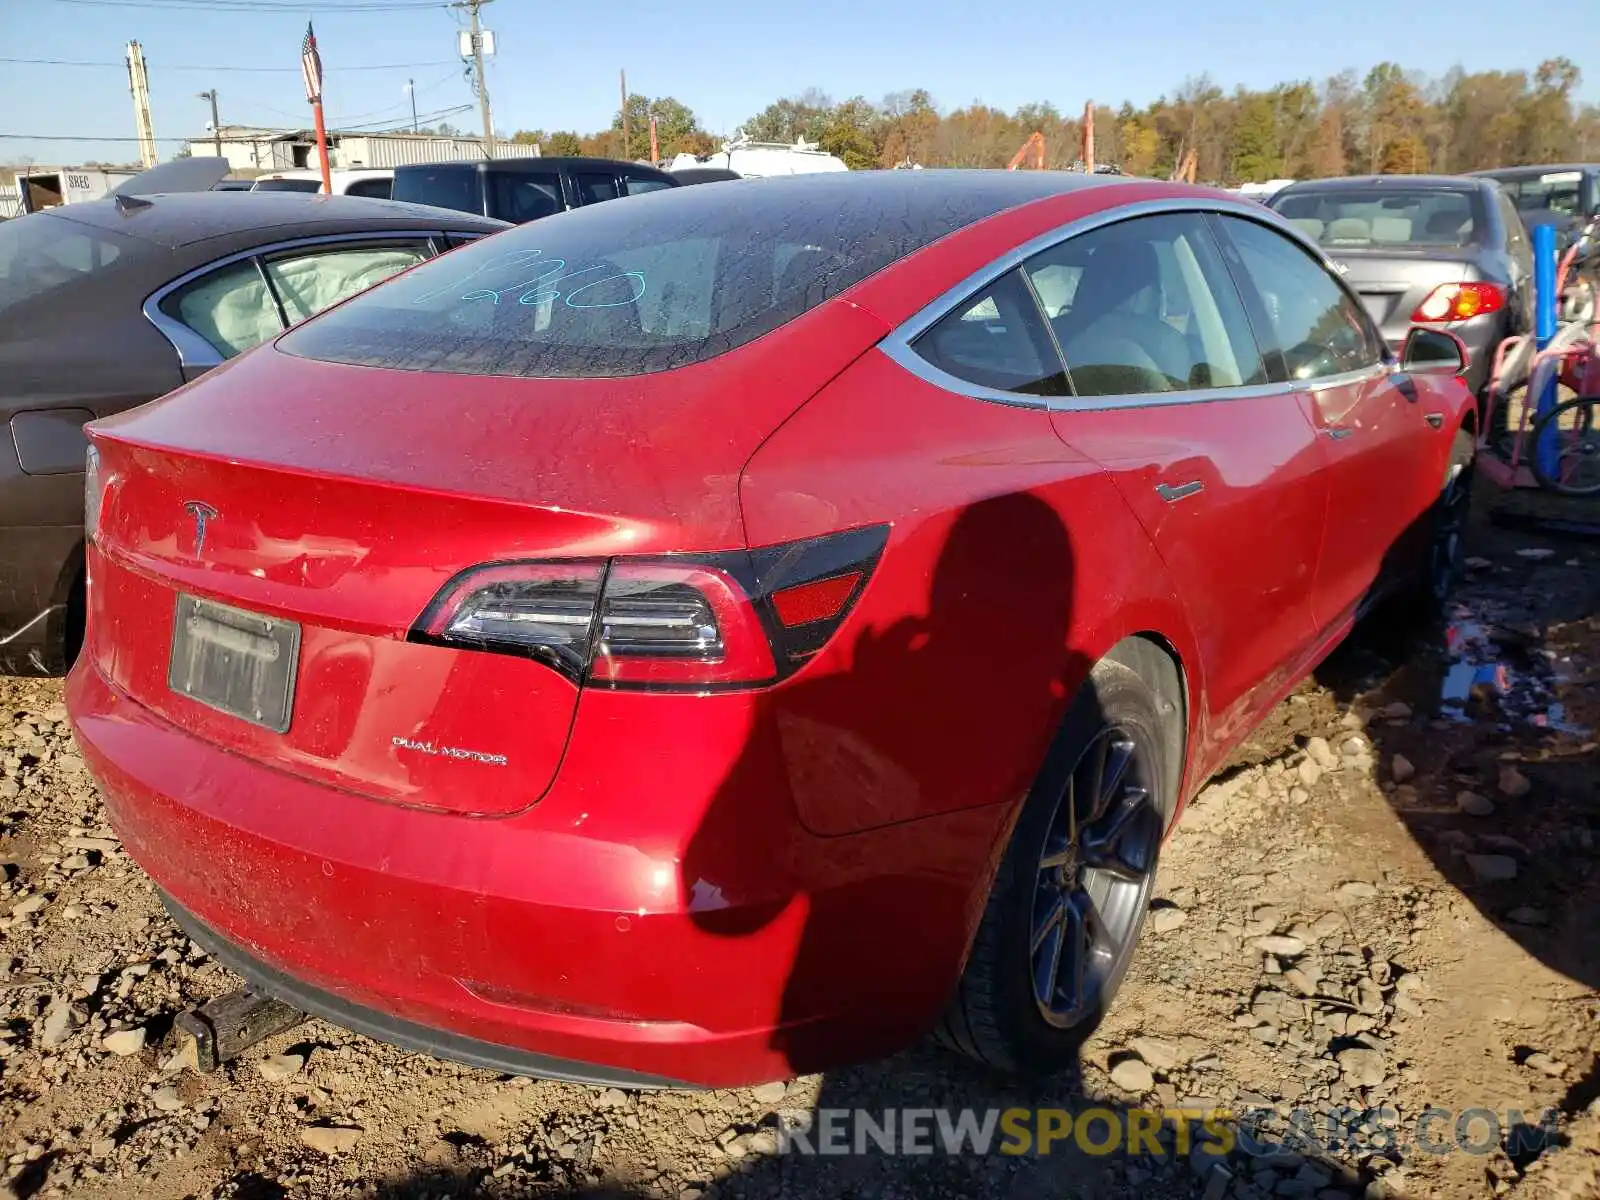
(47, 187)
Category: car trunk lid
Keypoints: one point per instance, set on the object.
(1392, 283)
(281, 525)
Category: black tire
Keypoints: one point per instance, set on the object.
(1430, 592)
(995, 1015)
(1576, 426)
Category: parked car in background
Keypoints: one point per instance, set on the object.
(109, 303)
(525, 189)
(703, 174)
(1446, 252)
(375, 184)
(757, 160)
(848, 578)
(1567, 193)
(1567, 197)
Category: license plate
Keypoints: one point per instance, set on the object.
(237, 662)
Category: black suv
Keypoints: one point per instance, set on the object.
(525, 189)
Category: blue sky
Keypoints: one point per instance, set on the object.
(558, 60)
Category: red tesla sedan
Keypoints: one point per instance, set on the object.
(719, 635)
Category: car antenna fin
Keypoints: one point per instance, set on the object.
(127, 204)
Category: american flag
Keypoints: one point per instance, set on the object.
(311, 66)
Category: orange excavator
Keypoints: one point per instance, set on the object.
(1033, 146)
(1187, 167)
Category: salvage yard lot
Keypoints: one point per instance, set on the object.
(1374, 906)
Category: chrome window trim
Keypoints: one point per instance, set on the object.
(897, 344)
(197, 354)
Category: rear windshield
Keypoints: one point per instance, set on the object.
(1385, 217)
(632, 286)
(460, 188)
(288, 185)
(42, 252)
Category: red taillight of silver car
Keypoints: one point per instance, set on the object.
(1460, 301)
(737, 619)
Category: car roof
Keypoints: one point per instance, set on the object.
(955, 196)
(1531, 169)
(181, 219)
(537, 162)
(1398, 182)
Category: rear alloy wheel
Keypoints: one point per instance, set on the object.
(1069, 900)
(1094, 878)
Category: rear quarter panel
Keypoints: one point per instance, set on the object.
(1012, 566)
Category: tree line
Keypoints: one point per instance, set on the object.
(1389, 120)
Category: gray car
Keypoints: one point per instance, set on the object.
(110, 303)
(1444, 251)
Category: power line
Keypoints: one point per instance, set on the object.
(250, 6)
(50, 137)
(69, 62)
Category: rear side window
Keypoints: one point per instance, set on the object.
(595, 186)
(233, 309)
(520, 197)
(625, 289)
(996, 339)
(638, 185)
(1146, 306)
(1310, 320)
(459, 188)
(41, 252)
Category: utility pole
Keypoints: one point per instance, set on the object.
(624, 78)
(472, 7)
(139, 88)
(216, 121)
(411, 87)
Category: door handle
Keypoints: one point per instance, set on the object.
(1338, 432)
(1434, 419)
(1173, 494)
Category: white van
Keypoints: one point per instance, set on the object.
(374, 183)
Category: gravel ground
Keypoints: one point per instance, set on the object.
(1384, 901)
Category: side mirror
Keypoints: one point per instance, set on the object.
(1434, 352)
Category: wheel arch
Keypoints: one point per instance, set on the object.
(1155, 659)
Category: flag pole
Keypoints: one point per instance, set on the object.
(322, 149)
(311, 68)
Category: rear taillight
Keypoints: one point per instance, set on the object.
(91, 493)
(1459, 301)
(737, 619)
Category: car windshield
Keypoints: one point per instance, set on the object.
(632, 286)
(42, 252)
(1553, 191)
(1384, 217)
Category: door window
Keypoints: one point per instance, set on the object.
(997, 339)
(233, 309)
(1305, 315)
(517, 197)
(595, 186)
(307, 283)
(1146, 306)
(638, 185)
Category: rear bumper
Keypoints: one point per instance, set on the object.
(266, 978)
(659, 917)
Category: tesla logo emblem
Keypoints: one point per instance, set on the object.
(202, 514)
